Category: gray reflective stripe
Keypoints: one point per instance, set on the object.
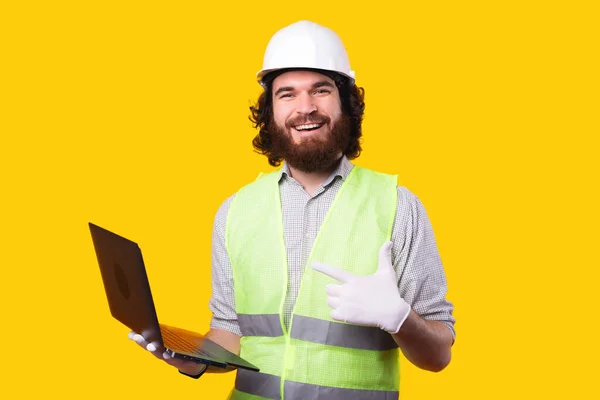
(318, 331)
(269, 386)
(259, 384)
(343, 335)
(303, 391)
(260, 325)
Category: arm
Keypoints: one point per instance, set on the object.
(226, 339)
(373, 300)
(224, 327)
(405, 298)
(425, 343)
(427, 335)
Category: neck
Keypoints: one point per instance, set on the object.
(311, 180)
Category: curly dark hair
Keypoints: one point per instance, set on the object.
(353, 106)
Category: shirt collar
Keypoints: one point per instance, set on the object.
(342, 170)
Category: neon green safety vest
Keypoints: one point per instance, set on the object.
(317, 357)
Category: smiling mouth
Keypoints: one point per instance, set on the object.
(308, 127)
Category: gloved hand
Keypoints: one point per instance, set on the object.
(187, 367)
(371, 300)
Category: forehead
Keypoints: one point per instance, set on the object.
(299, 79)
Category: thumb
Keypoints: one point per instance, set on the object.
(385, 257)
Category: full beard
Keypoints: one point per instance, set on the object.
(312, 154)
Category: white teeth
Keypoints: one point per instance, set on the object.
(310, 126)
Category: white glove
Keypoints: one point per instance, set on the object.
(371, 300)
(186, 367)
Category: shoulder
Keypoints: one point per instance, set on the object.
(411, 215)
(258, 184)
(406, 198)
(372, 179)
(407, 205)
(222, 212)
(254, 189)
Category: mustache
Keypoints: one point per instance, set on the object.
(309, 119)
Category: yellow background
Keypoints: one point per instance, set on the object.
(133, 115)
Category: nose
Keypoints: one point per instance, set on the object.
(305, 104)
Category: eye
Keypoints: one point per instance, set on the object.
(285, 95)
(322, 91)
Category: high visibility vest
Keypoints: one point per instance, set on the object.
(317, 357)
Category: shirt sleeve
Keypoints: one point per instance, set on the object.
(419, 270)
(222, 301)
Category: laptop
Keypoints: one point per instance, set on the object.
(130, 302)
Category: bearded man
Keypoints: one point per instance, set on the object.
(322, 270)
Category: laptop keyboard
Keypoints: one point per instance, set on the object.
(175, 342)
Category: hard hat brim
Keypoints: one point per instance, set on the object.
(266, 76)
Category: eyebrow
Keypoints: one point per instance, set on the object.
(314, 86)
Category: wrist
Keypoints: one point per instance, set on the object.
(198, 375)
(401, 313)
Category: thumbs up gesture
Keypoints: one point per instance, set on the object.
(371, 300)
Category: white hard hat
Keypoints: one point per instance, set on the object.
(305, 44)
